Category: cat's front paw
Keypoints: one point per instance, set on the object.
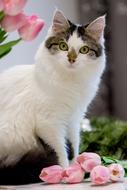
(71, 161)
(64, 163)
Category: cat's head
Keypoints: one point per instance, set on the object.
(75, 46)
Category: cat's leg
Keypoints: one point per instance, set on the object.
(74, 138)
(54, 137)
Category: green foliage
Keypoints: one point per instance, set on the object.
(108, 138)
(7, 47)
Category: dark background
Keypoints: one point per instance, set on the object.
(112, 98)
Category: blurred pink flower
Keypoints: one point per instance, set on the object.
(52, 174)
(11, 23)
(88, 160)
(117, 172)
(100, 175)
(31, 29)
(73, 174)
(1, 5)
(88, 165)
(14, 7)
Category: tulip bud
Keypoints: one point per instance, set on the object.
(14, 7)
(30, 30)
(11, 23)
(116, 172)
(88, 165)
(73, 174)
(52, 174)
(88, 160)
(100, 175)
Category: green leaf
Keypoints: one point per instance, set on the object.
(5, 53)
(3, 35)
(6, 48)
(3, 38)
(1, 15)
(108, 160)
(2, 32)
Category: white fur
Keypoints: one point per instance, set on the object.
(47, 99)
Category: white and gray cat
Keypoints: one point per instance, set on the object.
(41, 105)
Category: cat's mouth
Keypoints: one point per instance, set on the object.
(72, 66)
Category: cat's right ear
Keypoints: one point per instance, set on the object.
(96, 28)
(59, 23)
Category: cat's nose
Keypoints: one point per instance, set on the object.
(71, 60)
(72, 56)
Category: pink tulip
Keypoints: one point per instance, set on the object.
(73, 174)
(11, 23)
(52, 174)
(88, 165)
(1, 5)
(116, 172)
(100, 175)
(86, 156)
(14, 7)
(31, 29)
(88, 160)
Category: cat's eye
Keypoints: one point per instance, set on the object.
(63, 46)
(84, 50)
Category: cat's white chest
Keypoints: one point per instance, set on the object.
(63, 101)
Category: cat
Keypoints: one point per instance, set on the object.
(43, 104)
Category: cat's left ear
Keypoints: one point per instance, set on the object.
(96, 28)
(60, 23)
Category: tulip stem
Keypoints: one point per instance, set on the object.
(1, 15)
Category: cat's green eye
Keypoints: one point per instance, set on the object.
(63, 46)
(84, 50)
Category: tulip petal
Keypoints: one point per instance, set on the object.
(73, 174)
(1, 5)
(117, 172)
(100, 175)
(86, 156)
(14, 7)
(52, 174)
(88, 160)
(12, 23)
(32, 28)
(88, 165)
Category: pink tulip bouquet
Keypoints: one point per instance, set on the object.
(13, 18)
(100, 171)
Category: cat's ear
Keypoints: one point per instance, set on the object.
(60, 23)
(96, 28)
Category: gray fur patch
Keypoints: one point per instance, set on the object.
(95, 49)
(52, 43)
